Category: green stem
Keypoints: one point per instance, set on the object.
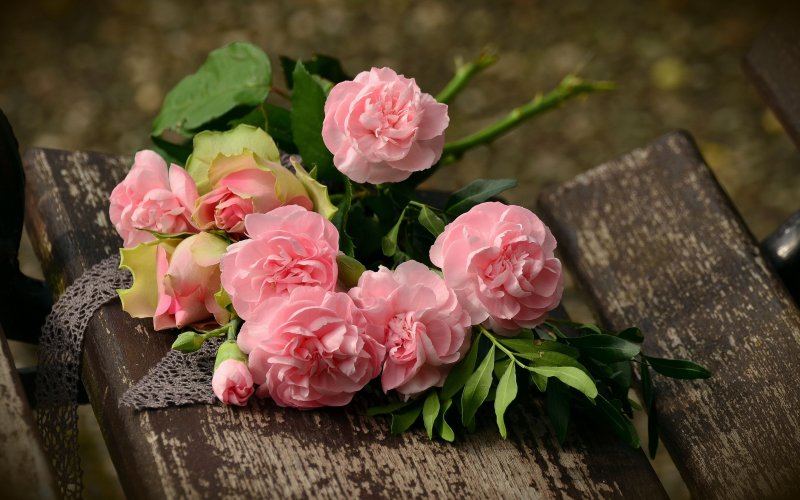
(486, 333)
(571, 86)
(233, 328)
(464, 73)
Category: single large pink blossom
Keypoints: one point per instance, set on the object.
(151, 197)
(310, 348)
(232, 382)
(500, 261)
(242, 185)
(289, 247)
(424, 328)
(381, 127)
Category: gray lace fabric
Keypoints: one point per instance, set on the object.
(58, 372)
(178, 379)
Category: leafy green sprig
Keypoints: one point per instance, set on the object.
(574, 366)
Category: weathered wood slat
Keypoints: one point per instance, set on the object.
(265, 451)
(655, 242)
(24, 468)
(773, 63)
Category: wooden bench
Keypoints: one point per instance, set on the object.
(651, 238)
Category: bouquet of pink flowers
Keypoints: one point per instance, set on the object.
(296, 234)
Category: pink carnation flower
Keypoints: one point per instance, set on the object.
(499, 260)
(232, 382)
(289, 247)
(310, 349)
(151, 197)
(425, 329)
(381, 127)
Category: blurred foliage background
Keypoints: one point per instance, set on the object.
(92, 75)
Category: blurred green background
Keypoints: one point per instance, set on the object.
(92, 75)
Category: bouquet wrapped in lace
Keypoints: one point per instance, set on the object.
(295, 233)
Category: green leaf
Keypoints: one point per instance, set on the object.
(632, 334)
(500, 366)
(430, 410)
(308, 112)
(553, 358)
(678, 368)
(460, 373)
(474, 193)
(558, 408)
(402, 421)
(652, 416)
(506, 392)
(321, 65)
(279, 126)
(621, 424)
(573, 377)
(341, 217)
(255, 117)
(430, 221)
(391, 407)
(540, 381)
(238, 74)
(171, 152)
(606, 348)
(537, 346)
(442, 427)
(389, 242)
(477, 388)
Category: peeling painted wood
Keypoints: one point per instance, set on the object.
(24, 468)
(655, 242)
(266, 451)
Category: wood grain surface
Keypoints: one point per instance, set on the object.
(773, 63)
(656, 243)
(266, 451)
(24, 469)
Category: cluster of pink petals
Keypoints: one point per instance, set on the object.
(423, 327)
(246, 189)
(187, 282)
(500, 261)
(232, 382)
(151, 197)
(289, 247)
(310, 348)
(381, 127)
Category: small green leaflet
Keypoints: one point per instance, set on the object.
(238, 74)
(506, 392)
(558, 408)
(308, 112)
(605, 348)
(279, 127)
(430, 410)
(460, 373)
(477, 388)
(678, 368)
(430, 221)
(619, 422)
(389, 242)
(442, 427)
(573, 377)
(632, 334)
(474, 193)
(537, 346)
(402, 421)
(340, 219)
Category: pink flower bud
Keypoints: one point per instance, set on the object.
(232, 382)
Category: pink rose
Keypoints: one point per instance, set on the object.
(289, 247)
(151, 197)
(242, 185)
(381, 127)
(310, 349)
(188, 281)
(499, 260)
(424, 328)
(232, 382)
